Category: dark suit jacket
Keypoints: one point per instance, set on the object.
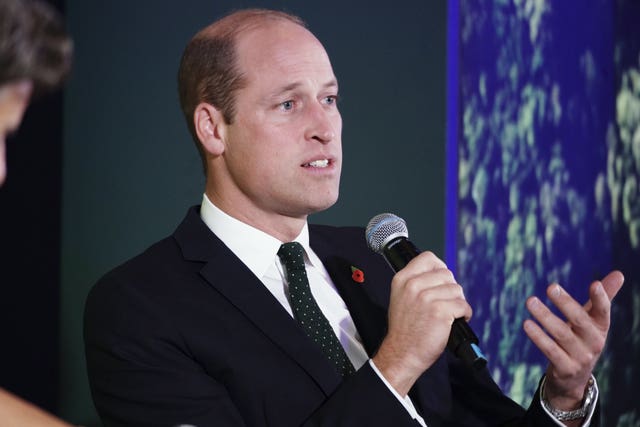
(185, 334)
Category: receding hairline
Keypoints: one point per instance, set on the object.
(243, 21)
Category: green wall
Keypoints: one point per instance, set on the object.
(131, 170)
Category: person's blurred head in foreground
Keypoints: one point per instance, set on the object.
(35, 56)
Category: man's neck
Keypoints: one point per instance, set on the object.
(282, 227)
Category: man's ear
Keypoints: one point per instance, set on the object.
(210, 128)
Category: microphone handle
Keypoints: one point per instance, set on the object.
(463, 342)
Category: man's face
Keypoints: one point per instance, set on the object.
(14, 98)
(283, 152)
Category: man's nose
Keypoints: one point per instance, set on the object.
(321, 126)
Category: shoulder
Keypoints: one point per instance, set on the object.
(169, 258)
(352, 233)
(348, 243)
(343, 239)
(138, 273)
(151, 259)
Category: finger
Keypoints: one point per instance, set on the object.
(600, 306)
(450, 309)
(440, 276)
(420, 291)
(425, 261)
(557, 328)
(463, 310)
(419, 278)
(569, 307)
(587, 328)
(612, 284)
(442, 292)
(552, 351)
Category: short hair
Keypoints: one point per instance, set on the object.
(209, 71)
(33, 44)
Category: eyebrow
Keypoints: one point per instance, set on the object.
(333, 83)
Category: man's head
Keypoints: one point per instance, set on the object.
(262, 109)
(35, 55)
(209, 67)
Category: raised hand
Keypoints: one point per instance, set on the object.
(572, 346)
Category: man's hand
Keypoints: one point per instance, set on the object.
(572, 346)
(425, 300)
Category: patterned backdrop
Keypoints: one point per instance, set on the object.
(547, 149)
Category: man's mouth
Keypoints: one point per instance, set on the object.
(317, 164)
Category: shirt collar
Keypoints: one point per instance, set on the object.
(255, 248)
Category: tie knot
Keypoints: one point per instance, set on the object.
(292, 255)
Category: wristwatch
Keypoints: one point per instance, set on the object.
(587, 400)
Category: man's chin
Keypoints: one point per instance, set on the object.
(323, 206)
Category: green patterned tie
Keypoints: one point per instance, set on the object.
(306, 310)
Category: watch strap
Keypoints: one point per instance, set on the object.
(583, 411)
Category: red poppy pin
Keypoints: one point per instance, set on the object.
(357, 275)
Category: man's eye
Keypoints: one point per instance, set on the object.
(331, 100)
(287, 105)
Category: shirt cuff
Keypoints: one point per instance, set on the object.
(406, 401)
(592, 408)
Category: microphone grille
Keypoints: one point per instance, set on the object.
(383, 228)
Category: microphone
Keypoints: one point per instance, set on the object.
(387, 235)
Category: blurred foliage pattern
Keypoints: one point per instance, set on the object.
(548, 170)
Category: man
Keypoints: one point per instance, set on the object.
(206, 326)
(35, 55)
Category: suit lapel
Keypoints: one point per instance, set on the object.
(369, 318)
(231, 278)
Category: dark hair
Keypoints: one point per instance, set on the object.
(208, 70)
(33, 44)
